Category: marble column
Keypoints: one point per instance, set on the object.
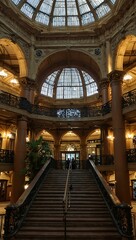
(121, 166)
(104, 144)
(19, 160)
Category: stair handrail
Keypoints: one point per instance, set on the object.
(15, 213)
(121, 212)
(66, 197)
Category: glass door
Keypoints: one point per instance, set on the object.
(73, 157)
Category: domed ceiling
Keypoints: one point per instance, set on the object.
(64, 13)
(69, 83)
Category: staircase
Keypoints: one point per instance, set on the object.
(87, 219)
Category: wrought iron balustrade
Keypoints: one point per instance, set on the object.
(6, 156)
(131, 155)
(15, 213)
(128, 99)
(120, 212)
(9, 99)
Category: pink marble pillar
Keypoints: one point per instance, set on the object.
(121, 166)
(19, 160)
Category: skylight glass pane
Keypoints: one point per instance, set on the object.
(59, 9)
(42, 18)
(91, 89)
(96, 3)
(81, 2)
(16, 1)
(87, 18)
(47, 90)
(113, 1)
(73, 21)
(60, 13)
(87, 78)
(69, 93)
(71, 8)
(48, 85)
(46, 6)
(91, 86)
(58, 21)
(33, 3)
(27, 10)
(44, 89)
(70, 77)
(50, 91)
(83, 6)
(102, 10)
(69, 84)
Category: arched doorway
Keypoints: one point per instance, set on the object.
(70, 150)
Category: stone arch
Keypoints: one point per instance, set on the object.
(121, 50)
(68, 58)
(72, 131)
(15, 61)
(46, 134)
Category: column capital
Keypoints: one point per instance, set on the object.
(116, 76)
(22, 118)
(28, 83)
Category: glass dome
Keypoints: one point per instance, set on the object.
(61, 13)
(69, 83)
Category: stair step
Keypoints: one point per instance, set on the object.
(88, 217)
(91, 229)
(70, 236)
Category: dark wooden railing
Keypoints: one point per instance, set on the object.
(121, 212)
(15, 213)
(128, 99)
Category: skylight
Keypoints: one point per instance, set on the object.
(69, 83)
(56, 13)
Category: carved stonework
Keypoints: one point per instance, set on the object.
(104, 83)
(116, 77)
(28, 83)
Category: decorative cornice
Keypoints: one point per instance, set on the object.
(28, 83)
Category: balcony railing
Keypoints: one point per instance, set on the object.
(6, 156)
(128, 99)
